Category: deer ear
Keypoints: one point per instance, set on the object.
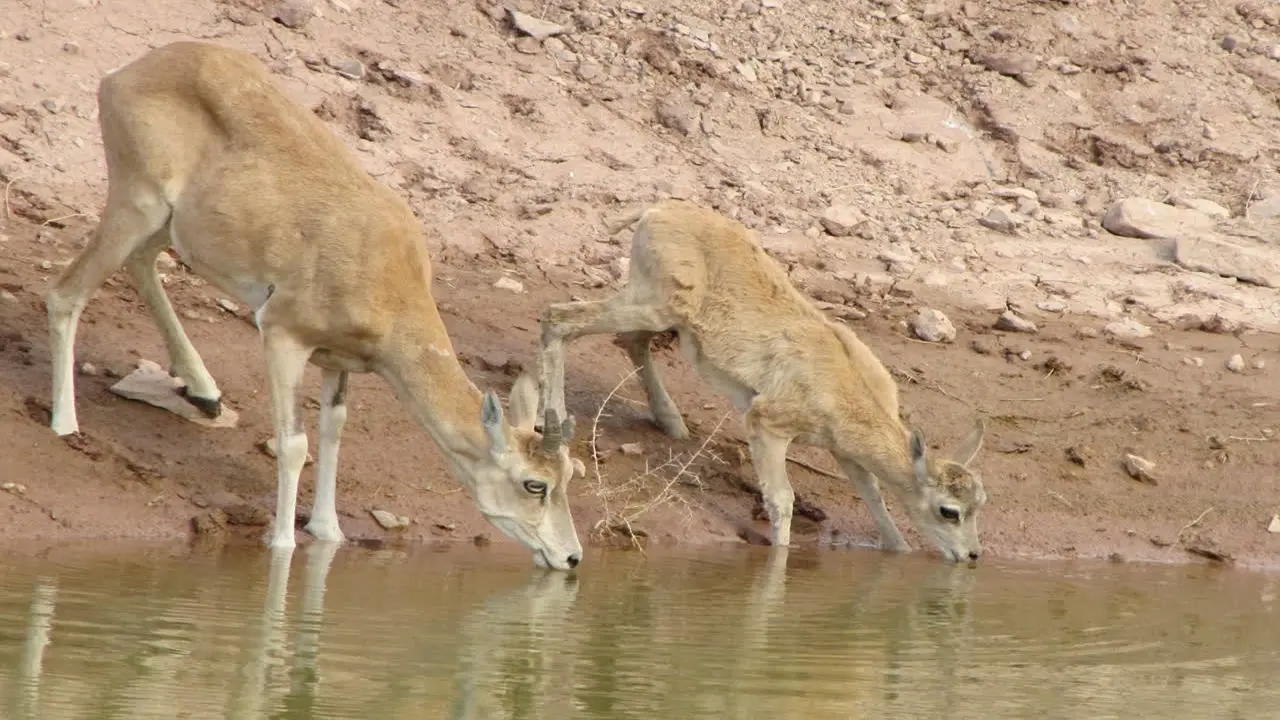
(524, 403)
(918, 462)
(491, 420)
(969, 447)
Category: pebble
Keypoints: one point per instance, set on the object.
(632, 449)
(389, 520)
(841, 220)
(999, 219)
(1235, 363)
(1142, 218)
(1011, 322)
(509, 284)
(932, 325)
(1127, 328)
(1274, 526)
(88, 369)
(1140, 468)
(292, 14)
(533, 27)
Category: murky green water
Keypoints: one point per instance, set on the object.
(733, 633)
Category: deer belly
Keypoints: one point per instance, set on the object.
(247, 290)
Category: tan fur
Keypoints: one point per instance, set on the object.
(794, 373)
(256, 195)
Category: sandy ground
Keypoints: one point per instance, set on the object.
(967, 157)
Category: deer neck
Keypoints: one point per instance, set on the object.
(883, 451)
(432, 385)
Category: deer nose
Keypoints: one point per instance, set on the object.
(574, 560)
(973, 554)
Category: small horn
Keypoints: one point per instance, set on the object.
(551, 432)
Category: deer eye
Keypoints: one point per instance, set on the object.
(535, 487)
(949, 513)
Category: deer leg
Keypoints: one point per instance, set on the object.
(333, 415)
(564, 322)
(665, 413)
(769, 455)
(127, 222)
(201, 390)
(286, 361)
(868, 486)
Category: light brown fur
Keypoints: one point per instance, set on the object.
(794, 373)
(256, 195)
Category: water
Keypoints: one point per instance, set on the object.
(733, 633)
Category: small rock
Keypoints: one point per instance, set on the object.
(632, 449)
(510, 284)
(841, 220)
(389, 520)
(1235, 363)
(680, 114)
(71, 47)
(293, 14)
(1000, 220)
(1256, 264)
(1015, 65)
(228, 306)
(53, 105)
(526, 45)
(932, 325)
(151, 384)
(1127, 328)
(1013, 323)
(1258, 364)
(982, 346)
(748, 71)
(1140, 468)
(268, 448)
(533, 27)
(88, 369)
(14, 487)
(1194, 361)
(588, 70)
(8, 297)
(1053, 306)
(349, 68)
(1230, 42)
(1143, 218)
(1274, 526)
(1204, 207)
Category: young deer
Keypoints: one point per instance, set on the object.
(205, 154)
(795, 374)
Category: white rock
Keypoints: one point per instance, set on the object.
(151, 384)
(1255, 264)
(510, 284)
(842, 220)
(533, 27)
(1274, 527)
(1127, 328)
(1204, 207)
(932, 325)
(1143, 218)
(1235, 363)
(631, 449)
(1011, 322)
(1139, 468)
(389, 520)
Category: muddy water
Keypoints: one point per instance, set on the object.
(738, 633)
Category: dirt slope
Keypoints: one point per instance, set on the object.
(959, 156)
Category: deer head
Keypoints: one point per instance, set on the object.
(522, 487)
(946, 496)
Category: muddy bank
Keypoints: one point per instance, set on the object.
(965, 157)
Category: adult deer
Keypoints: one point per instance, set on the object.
(205, 154)
(794, 373)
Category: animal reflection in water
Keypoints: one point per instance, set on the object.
(540, 650)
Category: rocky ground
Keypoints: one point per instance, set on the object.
(1058, 214)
